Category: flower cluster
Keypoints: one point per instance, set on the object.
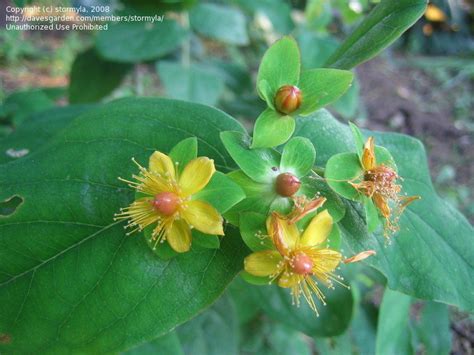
(286, 208)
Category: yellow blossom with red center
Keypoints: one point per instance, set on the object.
(300, 260)
(168, 203)
(379, 183)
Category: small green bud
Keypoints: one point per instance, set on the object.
(287, 184)
(288, 99)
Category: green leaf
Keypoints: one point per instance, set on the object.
(183, 152)
(433, 329)
(254, 231)
(334, 345)
(431, 231)
(385, 23)
(21, 104)
(194, 83)
(277, 11)
(347, 106)
(37, 130)
(220, 22)
(371, 214)
(214, 332)
(340, 169)
(139, 41)
(167, 344)
(259, 164)
(62, 249)
(393, 335)
(320, 87)
(272, 129)
(93, 78)
(280, 65)
(333, 318)
(221, 192)
(315, 48)
(358, 139)
(298, 157)
(265, 92)
(205, 240)
(316, 186)
(247, 308)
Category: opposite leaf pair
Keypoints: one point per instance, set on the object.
(290, 92)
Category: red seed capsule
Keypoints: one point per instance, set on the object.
(288, 99)
(287, 184)
(166, 203)
(302, 264)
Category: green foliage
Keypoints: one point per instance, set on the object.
(81, 166)
(386, 22)
(139, 42)
(393, 335)
(93, 78)
(38, 129)
(193, 83)
(64, 261)
(220, 22)
(431, 231)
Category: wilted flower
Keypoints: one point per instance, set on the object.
(379, 182)
(168, 202)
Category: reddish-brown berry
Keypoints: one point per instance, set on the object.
(166, 203)
(287, 184)
(288, 99)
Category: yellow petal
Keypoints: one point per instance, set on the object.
(288, 279)
(263, 263)
(203, 217)
(368, 155)
(196, 175)
(283, 234)
(178, 236)
(162, 164)
(318, 230)
(325, 262)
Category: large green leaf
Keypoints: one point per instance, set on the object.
(431, 257)
(213, 332)
(220, 22)
(387, 21)
(21, 104)
(333, 318)
(393, 332)
(93, 78)
(37, 130)
(433, 329)
(194, 83)
(64, 260)
(139, 41)
(168, 344)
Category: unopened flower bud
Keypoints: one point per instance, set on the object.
(287, 184)
(288, 99)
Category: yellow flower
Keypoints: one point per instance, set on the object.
(169, 204)
(380, 184)
(299, 261)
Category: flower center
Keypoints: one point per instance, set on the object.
(166, 203)
(383, 179)
(287, 184)
(288, 99)
(302, 264)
